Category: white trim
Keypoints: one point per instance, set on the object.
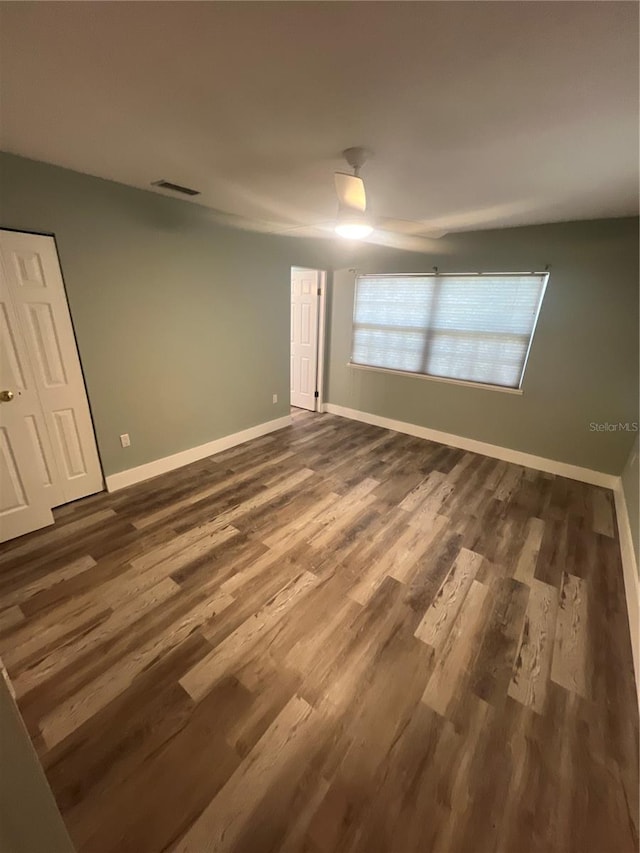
(519, 457)
(169, 463)
(466, 382)
(630, 575)
(322, 326)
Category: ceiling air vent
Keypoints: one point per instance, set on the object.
(176, 188)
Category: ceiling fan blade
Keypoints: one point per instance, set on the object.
(423, 243)
(350, 190)
(412, 228)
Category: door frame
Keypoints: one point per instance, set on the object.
(75, 336)
(322, 324)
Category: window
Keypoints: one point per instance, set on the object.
(470, 327)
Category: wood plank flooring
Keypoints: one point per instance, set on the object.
(333, 638)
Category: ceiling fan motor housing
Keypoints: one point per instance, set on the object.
(356, 157)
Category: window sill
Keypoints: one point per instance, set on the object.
(466, 383)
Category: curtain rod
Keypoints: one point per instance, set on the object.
(436, 272)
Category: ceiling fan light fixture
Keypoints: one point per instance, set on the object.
(353, 231)
(352, 225)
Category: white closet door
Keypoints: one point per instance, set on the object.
(25, 481)
(36, 289)
(304, 337)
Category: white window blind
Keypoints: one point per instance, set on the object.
(472, 327)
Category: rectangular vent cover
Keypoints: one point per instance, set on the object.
(176, 188)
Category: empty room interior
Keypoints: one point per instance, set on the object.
(319, 406)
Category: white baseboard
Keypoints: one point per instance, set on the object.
(169, 463)
(630, 574)
(528, 460)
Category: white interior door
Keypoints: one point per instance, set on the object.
(61, 436)
(305, 286)
(24, 503)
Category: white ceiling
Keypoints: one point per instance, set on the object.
(480, 115)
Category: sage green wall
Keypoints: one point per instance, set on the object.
(583, 365)
(631, 488)
(182, 325)
(29, 818)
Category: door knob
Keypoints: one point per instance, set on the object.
(6, 396)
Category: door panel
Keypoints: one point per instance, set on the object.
(37, 440)
(305, 377)
(28, 268)
(69, 441)
(305, 324)
(12, 496)
(44, 340)
(304, 337)
(65, 437)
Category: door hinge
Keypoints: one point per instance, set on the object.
(316, 393)
(319, 292)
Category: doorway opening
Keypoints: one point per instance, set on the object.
(308, 303)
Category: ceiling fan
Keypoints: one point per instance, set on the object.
(354, 222)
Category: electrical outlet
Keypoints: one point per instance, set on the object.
(275, 398)
(125, 441)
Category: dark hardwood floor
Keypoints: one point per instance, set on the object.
(332, 638)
